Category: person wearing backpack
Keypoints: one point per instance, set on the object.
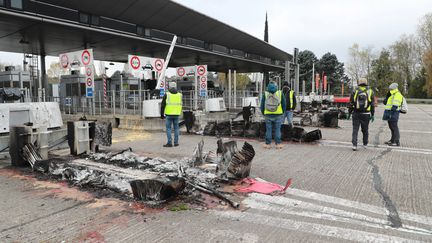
(362, 108)
(291, 103)
(273, 105)
(394, 104)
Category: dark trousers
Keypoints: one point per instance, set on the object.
(395, 135)
(360, 120)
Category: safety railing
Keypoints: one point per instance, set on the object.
(130, 102)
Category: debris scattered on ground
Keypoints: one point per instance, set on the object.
(260, 186)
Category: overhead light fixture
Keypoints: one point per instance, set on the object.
(24, 42)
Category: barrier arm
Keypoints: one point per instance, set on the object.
(165, 66)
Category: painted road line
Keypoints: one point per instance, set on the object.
(311, 228)
(286, 205)
(332, 143)
(357, 205)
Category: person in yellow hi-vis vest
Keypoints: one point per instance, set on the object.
(393, 103)
(273, 106)
(171, 109)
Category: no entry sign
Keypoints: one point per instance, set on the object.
(181, 71)
(135, 62)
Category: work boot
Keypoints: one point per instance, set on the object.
(388, 142)
(279, 146)
(267, 146)
(176, 145)
(354, 148)
(168, 145)
(395, 144)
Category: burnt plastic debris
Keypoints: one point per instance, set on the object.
(10, 94)
(103, 133)
(198, 157)
(19, 136)
(252, 130)
(330, 119)
(237, 128)
(241, 162)
(286, 132)
(223, 129)
(234, 164)
(312, 136)
(210, 129)
(297, 133)
(158, 189)
(30, 154)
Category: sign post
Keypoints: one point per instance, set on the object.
(81, 59)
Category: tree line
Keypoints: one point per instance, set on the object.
(407, 61)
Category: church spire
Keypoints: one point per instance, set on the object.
(266, 39)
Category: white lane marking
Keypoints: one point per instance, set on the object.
(414, 131)
(312, 228)
(332, 143)
(235, 236)
(358, 205)
(291, 206)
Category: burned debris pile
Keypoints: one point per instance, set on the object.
(155, 180)
(257, 130)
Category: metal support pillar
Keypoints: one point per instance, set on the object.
(229, 88)
(297, 79)
(43, 84)
(235, 88)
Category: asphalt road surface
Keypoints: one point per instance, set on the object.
(377, 194)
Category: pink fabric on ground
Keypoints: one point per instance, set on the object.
(262, 187)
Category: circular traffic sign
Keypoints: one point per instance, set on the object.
(86, 58)
(64, 61)
(135, 62)
(181, 72)
(88, 71)
(158, 65)
(162, 85)
(201, 70)
(204, 79)
(89, 82)
(203, 85)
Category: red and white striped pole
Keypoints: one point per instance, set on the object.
(105, 91)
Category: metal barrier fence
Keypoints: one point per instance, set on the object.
(130, 102)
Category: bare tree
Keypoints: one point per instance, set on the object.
(425, 32)
(359, 62)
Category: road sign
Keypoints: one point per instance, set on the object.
(142, 67)
(86, 57)
(89, 82)
(135, 62)
(89, 92)
(64, 61)
(201, 70)
(88, 71)
(158, 65)
(76, 59)
(203, 86)
(181, 71)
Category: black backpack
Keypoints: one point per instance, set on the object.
(362, 101)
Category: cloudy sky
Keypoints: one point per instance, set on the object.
(318, 25)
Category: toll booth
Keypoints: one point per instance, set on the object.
(15, 79)
(73, 92)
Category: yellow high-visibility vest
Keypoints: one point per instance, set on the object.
(369, 94)
(279, 110)
(396, 99)
(291, 97)
(173, 105)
